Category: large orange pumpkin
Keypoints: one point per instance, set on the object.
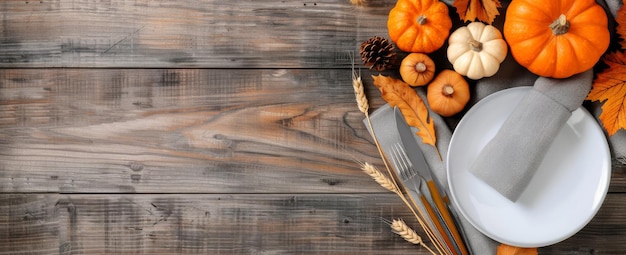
(419, 25)
(556, 38)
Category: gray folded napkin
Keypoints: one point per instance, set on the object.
(509, 161)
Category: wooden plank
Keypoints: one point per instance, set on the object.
(240, 224)
(185, 33)
(185, 130)
(231, 224)
(29, 224)
(181, 130)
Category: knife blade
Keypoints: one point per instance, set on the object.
(416, 157)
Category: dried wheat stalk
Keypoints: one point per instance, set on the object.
(402, 229)
(359, 93)
(380, 178)
(388, 184)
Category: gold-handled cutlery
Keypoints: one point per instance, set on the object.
(409, 152)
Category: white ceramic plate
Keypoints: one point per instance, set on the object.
(564, 195)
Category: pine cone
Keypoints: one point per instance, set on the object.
(378, 53)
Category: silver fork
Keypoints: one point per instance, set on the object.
(412, 182)
(405, 170)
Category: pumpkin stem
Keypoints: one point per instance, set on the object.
(447, 90)
(420, 67)
(560, 25)
(475, 45)
(421, 19)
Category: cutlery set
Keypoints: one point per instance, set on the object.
(428, 197)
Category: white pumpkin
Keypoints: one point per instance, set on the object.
(476, 50)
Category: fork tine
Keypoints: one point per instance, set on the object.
(409, 166)
(399, 160)
(393, 157)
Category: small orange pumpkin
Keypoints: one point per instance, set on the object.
(556, 38)
(448, 93)
(417, 69)
(419, 25)
(505, 249)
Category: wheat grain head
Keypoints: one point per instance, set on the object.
(379, 177)
(400, 228)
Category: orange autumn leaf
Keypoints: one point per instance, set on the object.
(504, 249)
(483, 10)
(398, 93)
(610, 87)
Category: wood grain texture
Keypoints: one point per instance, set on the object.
(181, 130)
(201, 127)
(185, 33)
(29, 224)
(229, 224)
(240, 224)
(185, 130)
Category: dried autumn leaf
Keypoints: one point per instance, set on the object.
(483, 10)
(400, 94)
(504, 249)
(610, 87)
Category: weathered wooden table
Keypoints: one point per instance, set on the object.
(204, 127)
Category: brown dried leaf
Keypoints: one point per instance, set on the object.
(400, 94)
(483, 10)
